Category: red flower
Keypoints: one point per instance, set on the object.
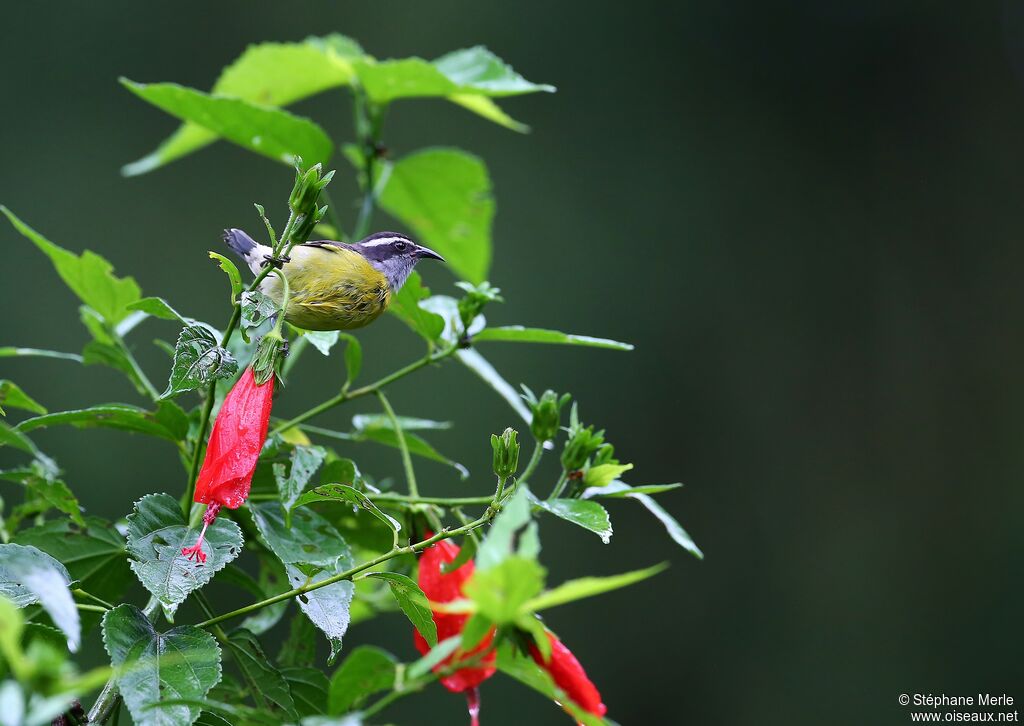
(569, 675)
(231, 454)
(440, 587)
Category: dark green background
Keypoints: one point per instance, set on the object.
(806, 216)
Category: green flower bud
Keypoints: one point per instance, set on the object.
(547, 413)
(506, 453)
(475, 300)
(271, 350)
(582, 443)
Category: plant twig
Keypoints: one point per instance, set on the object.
(403, 446)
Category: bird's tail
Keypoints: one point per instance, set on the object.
(247, 248)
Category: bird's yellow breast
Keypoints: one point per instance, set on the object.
(331, 288)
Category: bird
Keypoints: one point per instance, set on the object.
(334, 285)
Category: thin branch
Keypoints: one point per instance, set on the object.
(403, 446)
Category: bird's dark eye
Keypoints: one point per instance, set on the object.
(400, 246)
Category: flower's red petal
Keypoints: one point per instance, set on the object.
(569, 675)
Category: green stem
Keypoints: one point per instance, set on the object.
(91, 608)
(390, 698)
(531, 465)
(136, 368)
(410, 473)
(446, 502)
(88, 596)
(559, 486)
(348, 574)
(365, 390)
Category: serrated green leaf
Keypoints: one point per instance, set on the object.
(519, 334)
(584, 587)
(10, 351)
(326, 607)
(311, 539)
(157, 532)
(273, 74)
(349, 495)
(198, 360)
(498, 545)
(29, 576)
(309, 690)
(94, 556)
(119, 416)
(271, 132)
(57, 494)
(13, 397)
(589, 515)
(500, 592)
(406, 305)
(305, 460)
(267, 685)
(367, 670)
(412, 601)
(444, 196)
(180, 664)
(322, 340)
(88, 275)
(256, 309)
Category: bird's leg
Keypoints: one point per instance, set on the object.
(277, 262)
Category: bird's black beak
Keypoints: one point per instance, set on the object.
(422, 252)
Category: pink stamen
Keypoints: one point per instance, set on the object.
(473, 704)
(195, 552)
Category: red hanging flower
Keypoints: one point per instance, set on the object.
(235, 444)
(569, 675)
(441, 587)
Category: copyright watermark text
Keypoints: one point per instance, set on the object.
(976, 708)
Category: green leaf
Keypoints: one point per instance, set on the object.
(322, 340)
(588, 587)
(475, 630)
(157, 532)
(502, 591)
(267, 685)
(380, 430)
(413, 603)
(299, 648)
(119, 416)
(305, 460)
(158, 308)
(367, 670)
(234, 278)
(349, 495)
(256, 309)
(363, 421)
(14, 437)
(525, 670)
(180, 664)
(13, 397)
(614, 492)
(273, 74)
(406, 305)
(603, 474)
(9, 351)
(88, 275)
(519, 334)
(498, 545)
(57, 494)
(311, 539)
(479, 70)
(479, 365)
(272, 581)
(271, 132)
(466, 552)
(444, 196)
(353, 358)
(309, 690)
(29, 576)
(436, 655)
(674, 529)
(586, 514)
(94, 556)
(104, 349)
(326, 607)
(198, 360)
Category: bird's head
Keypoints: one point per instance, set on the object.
(394, 255)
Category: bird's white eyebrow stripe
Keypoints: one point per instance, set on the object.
(385, 241)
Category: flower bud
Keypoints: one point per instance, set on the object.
(581, 444)
(270, 351)
(475, 300)
(547, 413)
(506, 453)
(307, 188)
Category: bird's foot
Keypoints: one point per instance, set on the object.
(277, 262)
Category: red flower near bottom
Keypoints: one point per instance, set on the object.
(569, 675)
(441, 587)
